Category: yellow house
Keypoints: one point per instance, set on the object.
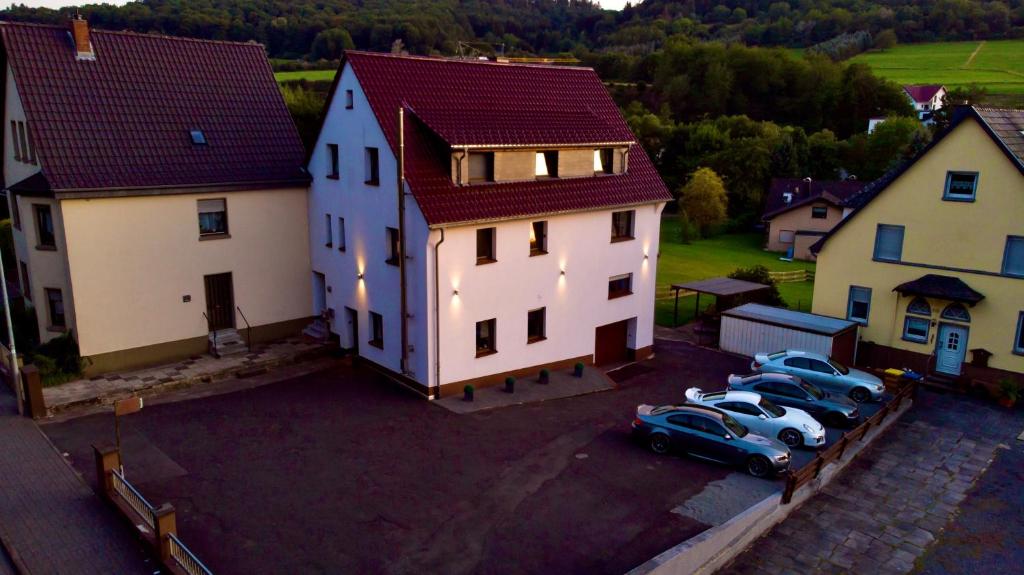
(931, 261)
(157, 193)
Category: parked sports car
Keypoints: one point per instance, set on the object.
(790, 425)
(709, 433)
(791, 391)
(822, 371)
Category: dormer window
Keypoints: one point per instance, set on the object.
(604, 161)
(198, 137)
(481, 167)
(547, 164)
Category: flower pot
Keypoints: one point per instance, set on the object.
(510, 385)
(578, 370)
(467, 393)
(545, 377)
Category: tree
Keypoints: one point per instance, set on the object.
(885, 39)
(704, 201)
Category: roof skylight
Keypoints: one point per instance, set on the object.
(198, 137)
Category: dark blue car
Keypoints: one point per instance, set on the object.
(792, 391)
(709, 433)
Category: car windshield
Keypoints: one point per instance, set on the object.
(839, 367)
(737, 428)
(814, 391)
(770, 408)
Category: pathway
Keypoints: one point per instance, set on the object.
(49, 519)
(894, 501)
(973, 54)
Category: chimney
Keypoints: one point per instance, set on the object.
(80, 38)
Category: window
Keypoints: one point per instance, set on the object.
(485, 246)
(198, 137)
(821, 367)
(44, 227)
(1018, 341)
(26, 287)
(798, 362)
(916, 329)
(328, 232)
(819, 212)
(55, 305)
(394, 250)
(919, 307)
(536, 328)
(213, 217)
(956, 312)
(26, 154)
(341, 234)
(547, 164)
(332, 157)
(622, 226)
(889, 243)
(349, 100)
(15, 211)
(538, 238)
(17, 142)
(739, 407)
(682, 420)
(481, 167)
(620, 285)
(1013, 256)
(485, 337)
(859, 306)
(960, 186)
(372, 161)
(786, 236)
(604, 161)
(376, 330)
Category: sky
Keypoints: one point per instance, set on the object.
(609, 4)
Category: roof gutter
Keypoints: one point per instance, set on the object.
(540, 215)
(84, 193)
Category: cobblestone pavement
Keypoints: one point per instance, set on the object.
(49, 517)
(892, 503)
(110, 386)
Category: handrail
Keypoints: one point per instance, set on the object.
(248, 329)
(185, 559)
(209, 328)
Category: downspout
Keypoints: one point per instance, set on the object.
(401, 240)
(437, 319)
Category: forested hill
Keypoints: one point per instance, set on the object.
(322, 28)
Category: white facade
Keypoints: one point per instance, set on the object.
(925, 109)
(358, 280)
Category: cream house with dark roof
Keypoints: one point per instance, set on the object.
(148, 178)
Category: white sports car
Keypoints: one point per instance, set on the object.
(792, 426)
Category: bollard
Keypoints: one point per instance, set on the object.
(163, 518)
(32, 384)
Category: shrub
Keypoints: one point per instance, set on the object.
(1009, 389)
(759, 274)
(63, 350)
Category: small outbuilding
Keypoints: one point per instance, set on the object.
(753, 328)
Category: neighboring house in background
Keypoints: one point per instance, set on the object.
(926, 98)
(530, 229)
(151, 180)
(873, 123)
(799, 212)
(932, 261)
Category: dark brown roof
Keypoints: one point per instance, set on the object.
(835, 192)
(940, 287)
(123, 120)
(1008, 126)
(721, 287)
(453, 103)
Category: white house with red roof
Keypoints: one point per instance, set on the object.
(926, 99)
(474, 220)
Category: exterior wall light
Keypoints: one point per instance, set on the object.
(455, 292)
(563, 272)
(360, 275)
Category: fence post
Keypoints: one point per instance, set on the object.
(32, 384)
(108, 459)
(163, 518)
(787, 495)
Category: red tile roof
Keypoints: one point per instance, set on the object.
(123, 120)
(922, 93)
(453, 103)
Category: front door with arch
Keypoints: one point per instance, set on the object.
(950, 348)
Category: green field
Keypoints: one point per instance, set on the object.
(308, 75)
(998, 65)
(717, 257)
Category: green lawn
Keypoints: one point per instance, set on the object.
(998, 65)
(717, 257)
(308, 75)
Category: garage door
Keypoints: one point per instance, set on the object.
(844, 345)
(610, 343)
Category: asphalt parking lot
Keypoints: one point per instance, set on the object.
(342, 471)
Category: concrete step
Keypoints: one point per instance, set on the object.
(317, 331)
(227, 342)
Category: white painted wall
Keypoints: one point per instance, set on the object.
(576, 303)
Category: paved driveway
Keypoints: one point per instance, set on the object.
(341, 471)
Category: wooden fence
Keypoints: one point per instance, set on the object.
(809, 472)
(792, 276)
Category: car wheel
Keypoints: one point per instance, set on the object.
(759, 466)
(791, 437)
(659, 443)
(860, 395)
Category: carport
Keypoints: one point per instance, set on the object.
(754, 328)
(727, 291)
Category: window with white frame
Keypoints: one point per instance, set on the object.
(328, 232)
(372, 166)
(394, 253)
(859, 306)
(213, 217)
(333, 169)
(376, 330)
(341, 233)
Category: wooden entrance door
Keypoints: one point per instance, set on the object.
(610, 343)
(220, 301)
